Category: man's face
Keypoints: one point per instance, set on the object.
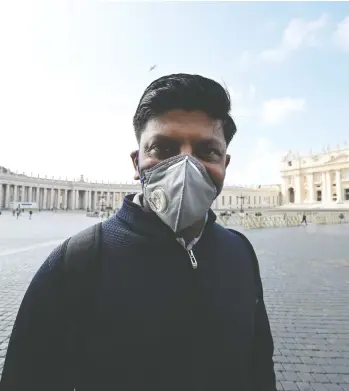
(179, 132)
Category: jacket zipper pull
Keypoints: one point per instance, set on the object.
(192, 259)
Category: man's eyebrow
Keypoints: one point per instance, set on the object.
(160, 137)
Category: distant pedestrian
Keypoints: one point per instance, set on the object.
(18, 213)
(304, 219)
(30, 214)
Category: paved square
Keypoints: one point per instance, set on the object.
(305, 272)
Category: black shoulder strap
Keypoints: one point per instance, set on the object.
(81, 261)
(82, 256)
(81, 247)
(257, 276)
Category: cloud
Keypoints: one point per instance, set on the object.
(265, 170)
(245, 60)
(341, 34)
(298, 33)
(235, 95)
(252, 92)
(276, 110)
(243, 102)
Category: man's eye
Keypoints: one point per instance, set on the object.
(211, 152)
(161, 150)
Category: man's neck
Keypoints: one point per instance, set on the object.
(192, 232)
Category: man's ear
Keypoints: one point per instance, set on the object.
(227, 160)
(134, 157)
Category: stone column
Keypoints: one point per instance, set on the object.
(323, 187)
(114, 200)
(44, 204)
(52, 193)
(86, 199)
(15, 193)
(7, 196)
(329, 186)
(297, 189)
(95, 200)
(65, 202)
(37, 197)
(30, 194)
(73, 199)
(77, 200)
(284, 191)
(310, 179)
(58, 199)
(339, 187)
(86, 204)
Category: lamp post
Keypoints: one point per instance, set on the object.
(242, 198)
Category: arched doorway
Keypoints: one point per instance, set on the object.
(291, 195)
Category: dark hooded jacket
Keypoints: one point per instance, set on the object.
(153, 322)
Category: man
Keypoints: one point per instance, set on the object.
(304, 219)
(176, 303)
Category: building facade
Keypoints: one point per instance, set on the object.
(82, 195)
(317, 179)
(233, 197)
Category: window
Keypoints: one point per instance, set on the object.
(223, 200)
(318, 195)
(229, 200)
(347, 194)
(289, 163)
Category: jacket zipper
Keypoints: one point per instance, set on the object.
(193, 261)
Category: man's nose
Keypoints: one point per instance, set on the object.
(186, 149)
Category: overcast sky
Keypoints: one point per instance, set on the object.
(71, 75)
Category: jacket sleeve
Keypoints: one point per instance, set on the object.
(262, 374)
(263, 348)
(35, 355)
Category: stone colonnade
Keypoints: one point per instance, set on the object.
(54, 197)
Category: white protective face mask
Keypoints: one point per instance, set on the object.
(179, 190)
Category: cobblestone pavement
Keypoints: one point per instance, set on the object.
(305, 272)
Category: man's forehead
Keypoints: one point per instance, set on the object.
(184, 128)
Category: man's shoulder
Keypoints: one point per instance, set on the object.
(236, 237)
(82, 248)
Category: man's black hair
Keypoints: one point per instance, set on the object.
(182, 91)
